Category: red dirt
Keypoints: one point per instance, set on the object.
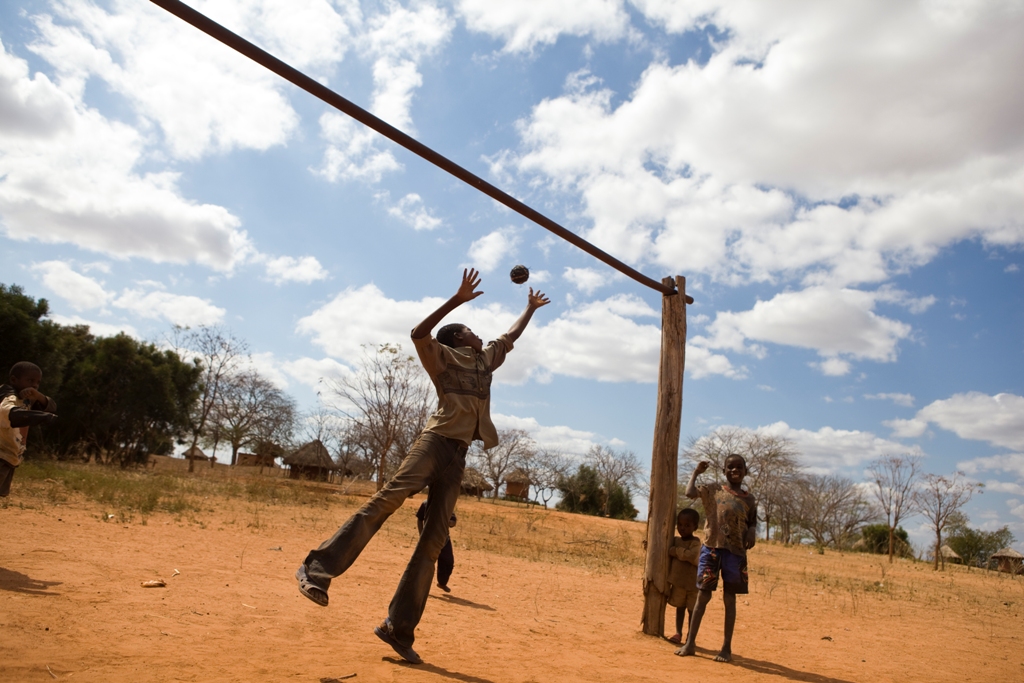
(73, 608)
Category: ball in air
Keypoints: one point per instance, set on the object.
(519, 274)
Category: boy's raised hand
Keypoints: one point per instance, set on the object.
(702, 467)
(470, 281)
(536, 300)
(32, 395)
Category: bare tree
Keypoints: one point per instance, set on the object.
(614, 469)
(385, 399)
(938, 499)
(250, 409)
(831, 510)
(514, 446)
(217, 353)
(547, 470)
(895, 477)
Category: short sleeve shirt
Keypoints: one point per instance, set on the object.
(12, 442)
(728, 515)
(462, 379)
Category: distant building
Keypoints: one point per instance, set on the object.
(311, 461)
(1009, 561)
(517, 485)
(195, 453)
(474, 484)
(255, 460)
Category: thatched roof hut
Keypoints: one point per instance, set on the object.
(311, 461)
(1010, 561)
(949, 555)
(195, 453)
(255, 459)
(473, 483)
(517, 485)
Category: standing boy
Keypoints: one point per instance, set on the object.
(446, 559)
(460, 367)
(730, 530)
(21, 406)
(682, 568)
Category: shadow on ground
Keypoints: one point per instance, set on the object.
(16, 582)
(462, 602)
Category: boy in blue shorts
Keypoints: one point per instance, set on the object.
(730, 530)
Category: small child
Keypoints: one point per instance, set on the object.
(446, 560)
(21, 406)
(730, 530)
(682, 568)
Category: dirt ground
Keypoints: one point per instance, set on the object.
(72, 607)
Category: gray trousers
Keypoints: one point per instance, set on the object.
(434, 461)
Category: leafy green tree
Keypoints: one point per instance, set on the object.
(584, 494)
(876, 540)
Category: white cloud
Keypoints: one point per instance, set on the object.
(830, 450)
(290, 269)
(82, 292)
(527, 23)
(998, 419)
(601, 340)
(100, 329)
(552, 437)
(832, 322)
(178, 309)
(410, 210)
(310, 371)
(905, 400)
(488, 252)
(738, 168)
(586, 280)
(73, 178)
(397, 41)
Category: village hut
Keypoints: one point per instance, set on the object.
(517, 485)
(949, 555)
(1010, 561)
(255, 459)
(195, 453)
(473, 483)
(311, 461)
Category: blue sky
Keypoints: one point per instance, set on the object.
(841, 183)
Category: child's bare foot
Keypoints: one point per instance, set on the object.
(676, 638)
(724, 656)
(686, 650)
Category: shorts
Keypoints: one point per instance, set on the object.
(6, 477)
(680, 596)
(732, 567)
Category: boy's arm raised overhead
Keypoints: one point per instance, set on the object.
(466, 292)
(691, 488)
(533, 302)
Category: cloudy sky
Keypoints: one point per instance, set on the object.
(842, 184)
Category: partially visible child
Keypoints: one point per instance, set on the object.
(731, 528)
(21, 406)
(682, 568)
(446, 560)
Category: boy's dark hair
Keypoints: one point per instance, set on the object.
(446, 335)
(688, 512)
(735, 456)
(22, 368)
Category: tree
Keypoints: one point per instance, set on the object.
(546, 470)
(975, 546)
(581, 492)
(617, 472)
(895, 477)
(387, 401)
(876, 540)
(940, 497)
(217, 354)
(831, 510)
(514, 447)
(249, 410)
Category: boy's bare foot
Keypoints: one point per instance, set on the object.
(724, 656)
(686, 650)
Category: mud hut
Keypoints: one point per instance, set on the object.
(949, 555)
(255, 460)
(311, 461)
(517, 485)
(1010, 561)
(474, 484)
(195, 453)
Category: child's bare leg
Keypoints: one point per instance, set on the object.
(730, 624)
(690, 646)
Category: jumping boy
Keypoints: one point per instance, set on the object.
(446, 559)
(730, 530)
(460, 367)
(21, 406)
(682, 568)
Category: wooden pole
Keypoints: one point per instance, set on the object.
(665, 456)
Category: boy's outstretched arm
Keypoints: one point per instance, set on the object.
(467, 292)
(691, 488)
(533, 302)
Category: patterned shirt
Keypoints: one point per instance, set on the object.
(462, 379)
(728, 515)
